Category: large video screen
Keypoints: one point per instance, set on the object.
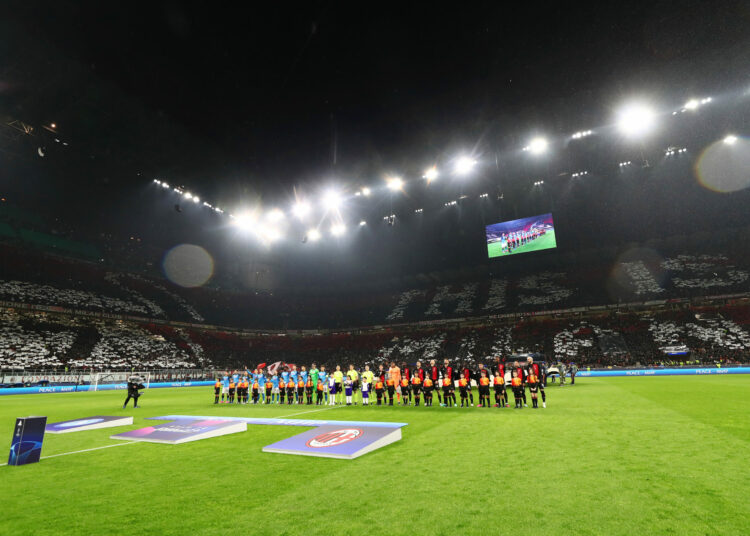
(520, 236)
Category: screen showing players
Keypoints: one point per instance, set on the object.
(520, 236)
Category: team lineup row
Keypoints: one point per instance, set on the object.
(406, 385)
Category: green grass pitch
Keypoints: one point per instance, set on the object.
(666, 455)
(543, 242)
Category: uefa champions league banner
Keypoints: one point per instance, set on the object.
(87, 423)
(101, 387)
(337, 441)
(28, 437)
(328, 439)
(665, 372)
(184, 431)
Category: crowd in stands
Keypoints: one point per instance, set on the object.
(36, 278)
(709, 335)
(38, 340)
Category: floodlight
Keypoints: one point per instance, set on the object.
(362, 223)
(395, 183)
(188, 195)
(338, 229)
(269, 233)
(537, 146)
(366, 191)
(164, 185)
(431, 174)
(692, 104)
(275, 215)
(196, 199)
(636, 120)
(313, 235)
(244, 221)
(730, 140)
(331, 200)
(464, 165)
(301, 209)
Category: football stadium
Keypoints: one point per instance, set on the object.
(294, 270)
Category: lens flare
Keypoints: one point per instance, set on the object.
(725, 167)
(188, 265)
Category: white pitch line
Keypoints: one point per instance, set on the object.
(311, 411)
(84, 450)
(133, 442)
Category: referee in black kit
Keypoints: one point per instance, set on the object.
(134, 385)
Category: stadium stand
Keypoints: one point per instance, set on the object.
(706, 334)
(61, 306)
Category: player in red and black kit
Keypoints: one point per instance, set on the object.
(499, 369)
(468, 375)
(379, 391)
(539, 372)
(434, 374)
(381, 374)
(419, 371)
(521, 372)
(448, 371)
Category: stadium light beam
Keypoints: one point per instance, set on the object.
(636, 120)
(431, 174)
(731, 139)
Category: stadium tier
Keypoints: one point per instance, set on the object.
(57, 340)
(36, 279)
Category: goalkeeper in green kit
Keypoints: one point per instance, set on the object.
(314, 375)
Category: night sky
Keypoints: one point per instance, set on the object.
(251, 99)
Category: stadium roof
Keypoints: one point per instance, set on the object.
(244, 108)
